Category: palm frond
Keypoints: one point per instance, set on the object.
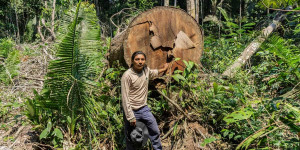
(65, 81)
(283, 49)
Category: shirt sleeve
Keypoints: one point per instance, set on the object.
(153, 73)
(125, 98)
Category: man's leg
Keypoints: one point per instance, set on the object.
(152, 126)
(138, 115)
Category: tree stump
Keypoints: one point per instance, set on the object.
(162, 33)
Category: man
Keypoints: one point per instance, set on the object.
(134, 87)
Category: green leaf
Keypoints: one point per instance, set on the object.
(178, 77)
(180, 93)
(215, 86)
(176, 59)
(49, 125)
(238, 115)
(57, 133)
(44, 134)
(103, 113)
(69, 119)
(208, 140)
(224, 14)
(249, 24)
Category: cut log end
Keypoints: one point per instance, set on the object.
(162, 33)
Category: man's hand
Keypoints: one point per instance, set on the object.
(165, 67)
(133, 122)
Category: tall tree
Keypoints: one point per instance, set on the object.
(191, 9)
(166, 3)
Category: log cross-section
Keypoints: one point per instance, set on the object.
(156, 32)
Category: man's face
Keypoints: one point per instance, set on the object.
(139, 62)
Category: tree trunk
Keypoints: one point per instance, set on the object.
(188, 6)
(162, 33)
(97, 9)
(240, 18)
(197, 10)
(166, 3)
(53, 19)
(254, 45)
(191, 8)
(202, 12)
(17, 25)
(39, 30)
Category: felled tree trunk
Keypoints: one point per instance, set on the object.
(253, 46)
(162, 33)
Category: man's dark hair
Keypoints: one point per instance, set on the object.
(136, 53)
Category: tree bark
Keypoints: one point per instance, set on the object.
(53, 19)
(17, 25)
(39, 30)
(97, 9)
(191, 8)
(197, 10)
(254, 45)
(240, 18)
(166, 2)
(202, 12)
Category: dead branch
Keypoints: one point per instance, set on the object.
(33, 78)
(168, 133)
(118, 13)
(44, 24)
(176, 105)
(40, 145)
(40, 32)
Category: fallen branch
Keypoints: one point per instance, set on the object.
(168, 133)
(33, 78)
(175, 104)
(254, 45)
(42, 145)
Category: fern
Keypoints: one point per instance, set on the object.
(288, 53)
(67, 80)
(9, 61)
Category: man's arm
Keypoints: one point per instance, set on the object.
(154, 73)
(125, 100)
(165, 67)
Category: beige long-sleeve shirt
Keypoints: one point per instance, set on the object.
(134, 88)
